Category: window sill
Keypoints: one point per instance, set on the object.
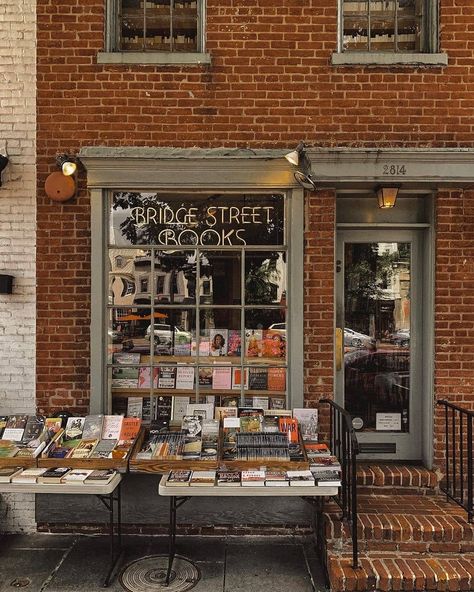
(387, 59)
(150, 57)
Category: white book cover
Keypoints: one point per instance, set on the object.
(28, 476)
(13, 434)
(77, 476)
(202, 410)
(185, 377)
(260, 402)
(134, 406)
(111, 427)
(308, 422)
(180, 405)
(218, 342)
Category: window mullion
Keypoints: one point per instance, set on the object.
(369, 25)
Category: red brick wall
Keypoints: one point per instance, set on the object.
(454, 305)
(270, 84)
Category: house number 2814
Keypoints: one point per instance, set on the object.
(394, 169)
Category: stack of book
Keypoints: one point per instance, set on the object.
(56, 475)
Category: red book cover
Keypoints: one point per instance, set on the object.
(277, 379)
(289, 425)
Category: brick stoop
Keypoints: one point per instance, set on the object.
(408, 540)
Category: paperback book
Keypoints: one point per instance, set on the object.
(178, 478)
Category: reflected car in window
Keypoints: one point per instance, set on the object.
(355, 339)
(401, 338)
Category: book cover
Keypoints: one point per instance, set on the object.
(28, 476)
(178, 478)
(124, 383)
(93, 427)
(228, 478)
(112, 427)
(76, 476)
(273, 345)
(179, 407)
(185, 377)
(308, 422)
(100, 477)
(326, 462)
(276, 379)
(74, 428)
(205, 377)
(237, 378)
(15, 427)
(253, 343)
(276, 479)
(7, 473)
(84, 449)
(218, 342)
(134, 407)
(191, 425)
(221, 412)
(103, 449)
(251, 423)
(145, 377)
(221, 378)
(202, 410)
(253, 478)
(3, 423)
(202, 478)
(261, 402)
(289, 425)
(258, 379)
(162, 409)
(234, 343)
(53, 425)
(167, 377)
(33, 429)
(315, 450)
(53, 475)
(182, 345)
(192, 448)
(130, 428)
(327, 478)
(125, 373)
(126, 358)
(204, 347)
(301, 478)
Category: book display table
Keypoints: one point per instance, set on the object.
(180, 494)
(109, 495)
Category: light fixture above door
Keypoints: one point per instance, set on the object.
(387, 196)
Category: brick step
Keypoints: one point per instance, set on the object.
(392, 475)
(417, 524)
(387, 572)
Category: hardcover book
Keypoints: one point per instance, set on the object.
(327, 478)
(33, 429)
(3, 423)
(222, 378)
(84, 449)
(28, 476)
(253, 343)
(103, 449)
(258, 379)
(145, 379)
(205, 377)
(273, 345)
(76, 476)
(300, 478)
(253, 478)
(234, 344)
(276, 380)
(74, 428)
(308, 422)
(111, 427)
(228, 478)
(218, 342)
(202, 478)
(7, 473)
(130, 428)
(202, 410)
(184, 378)
(276, 479)
(178, 478)
(15, 428)
(135, 407)
(100, 477)
(53, 475)
(93, 427)
(289, 425)
(328, 462)
(237, 378)
(167, 377)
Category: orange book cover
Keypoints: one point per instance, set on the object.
(130, 428)
(289, 425)
(277, 379)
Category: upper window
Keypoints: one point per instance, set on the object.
(383, 27)
(171, 29)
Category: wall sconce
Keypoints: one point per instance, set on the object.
(4, 160)
(387, 196)
(61, 185)
(6, 284)
(303, 175)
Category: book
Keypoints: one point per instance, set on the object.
(315, 450)
(83, 449)
(202, 410)
(33, 429)
(289, 425)
(228, 478)
(147, 377)
(192, 448)
(167, 377)
(327, 462)
(251, 423)
(93, 427)
(191, 425)
(276, 479)
(100, 477)
(258, 379)
(273, 345)
(327, 478)
(276, 379)
(300, 478)
(77, 476)
(261, 402)
(53, 425)
(126, 358)
(3, 423)
(135, 407)
(222, 378)
(74, 428)
(221, 412)
(28, 476)
(202, 478)
(111, 427)
(185, 378)
(121, 449)
(124, 383)
(237, 378)
(253, 343)
(253, 478)
(205, 377)
(178, 478)
(15, 428)
(308, 423)
(218, 342)
(103, 449)
(8, 449)
(7, 473)
(130, 428)
(234, 343)
(125, 373)
(53, 475)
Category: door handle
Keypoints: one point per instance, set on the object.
(339, 348)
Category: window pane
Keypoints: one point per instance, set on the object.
(355, 17)
(185, 26)
(265, 277)
(409, 25)
(215, 379)
(174, 331)
(220, 277)
(131, 25)
(175, 277)
(129, 277)
(209, 220)
(382, 25)
(127, 330)
(158, 24)
(220, 334)
(265, 336)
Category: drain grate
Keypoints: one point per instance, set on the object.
(20, 582)
(148, 575)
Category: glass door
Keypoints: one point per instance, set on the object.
(378, 371)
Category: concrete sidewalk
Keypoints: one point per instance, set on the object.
(63, 563)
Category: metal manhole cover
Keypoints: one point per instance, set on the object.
(148, 575)
(20, 582)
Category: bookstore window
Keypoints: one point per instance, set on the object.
(407, 29)
(155, 31)
(208, 321)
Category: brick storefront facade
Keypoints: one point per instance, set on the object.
(270, 84)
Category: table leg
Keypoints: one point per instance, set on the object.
(115, 557)
(171, 538)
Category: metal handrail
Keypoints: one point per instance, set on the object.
(459, 458)
(344, 445)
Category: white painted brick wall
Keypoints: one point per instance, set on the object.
(17, 228)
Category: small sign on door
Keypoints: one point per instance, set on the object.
(388, 422)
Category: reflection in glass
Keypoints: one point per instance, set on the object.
(265, 277)
(127, 330)
(173, 332)
(220, 277)
(377, 334)
(175, 277)
(220, 333)
(129, 277)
